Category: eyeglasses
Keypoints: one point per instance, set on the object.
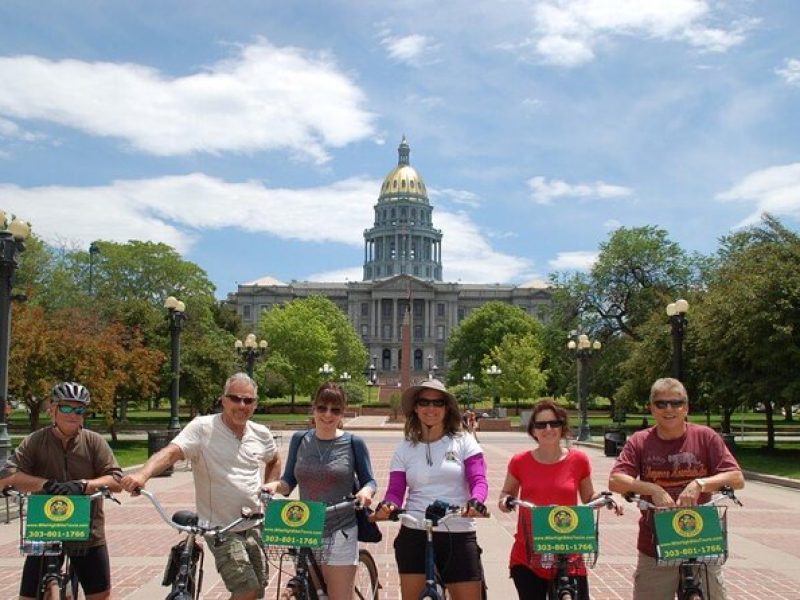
(438, 403)
(662, 404)
(334, 410)
(553, 424)
(246, 400)
(68, 410)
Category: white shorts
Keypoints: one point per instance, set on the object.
(341, 549)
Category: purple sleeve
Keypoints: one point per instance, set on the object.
(396, 490)
(475, 470)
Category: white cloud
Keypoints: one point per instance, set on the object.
(263, 98)
(567, 31)
(462, 197)
(775, 190)
(612, 224)
(10, 130)
(790, 72)
(414, 49)
(177, 209)
(347, 274)
(579, 260)
(545, 191)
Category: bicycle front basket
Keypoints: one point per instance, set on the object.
(692, 532)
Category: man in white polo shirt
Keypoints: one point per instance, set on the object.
(232, 457)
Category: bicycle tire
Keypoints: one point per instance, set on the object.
(367, 584)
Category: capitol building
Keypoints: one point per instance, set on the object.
(402, 272)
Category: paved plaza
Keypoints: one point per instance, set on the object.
(764, 559)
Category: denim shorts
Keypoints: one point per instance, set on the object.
(340, 549)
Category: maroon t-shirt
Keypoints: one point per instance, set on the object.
(672, 464)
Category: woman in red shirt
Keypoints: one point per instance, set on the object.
(547, 474)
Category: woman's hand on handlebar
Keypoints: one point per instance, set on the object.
(503, 504)
(475, 508)
(364, 496)
(384, 511)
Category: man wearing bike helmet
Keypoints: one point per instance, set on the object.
(66, 459)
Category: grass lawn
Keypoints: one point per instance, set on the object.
(783, 461)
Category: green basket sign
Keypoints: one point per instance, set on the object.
(689, 532)
(294, 523)
(58, 518)
(564, 530)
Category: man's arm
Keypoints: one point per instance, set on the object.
(622, 483)
(166, 457)
(26, 483)
(272, 470)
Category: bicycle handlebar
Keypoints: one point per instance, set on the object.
(604, 499)
(725, 493)
(196, 527)
(102, 492)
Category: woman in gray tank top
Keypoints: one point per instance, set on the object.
(325, 462)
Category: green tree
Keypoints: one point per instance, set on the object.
(482, 330)
(746, 328)
(304, 334)
(520, 357)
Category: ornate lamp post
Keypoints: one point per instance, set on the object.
(12, 242)
(677, 317)
(468, 379)
(344, 377)
(326, 371)
(494, 372)
(250, 350)
(94, 250)
(432, 368)
(371, 380)
(177, 315)
(583, 349)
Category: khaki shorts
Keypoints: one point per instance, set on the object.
(656, 582)
(240, 562)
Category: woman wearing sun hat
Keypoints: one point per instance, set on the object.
(437, 461)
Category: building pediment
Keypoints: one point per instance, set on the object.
(402, 283)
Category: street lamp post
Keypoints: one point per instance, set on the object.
(326, 370)
(494, 372)
(677, 317)
(583, 349)
(177, 315)
(344, 377)
(12, 242)
(250, 350)
(468, 379)
(94, 250)
(371, 380)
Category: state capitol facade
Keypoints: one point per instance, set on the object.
(402, 272)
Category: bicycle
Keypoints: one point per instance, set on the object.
(564, 585)
(56, 572)
(692, 569)
(308, 582)
(435, 514)
(184, 570)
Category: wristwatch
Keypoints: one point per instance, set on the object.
(702, 484)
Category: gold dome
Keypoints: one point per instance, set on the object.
(403, 181)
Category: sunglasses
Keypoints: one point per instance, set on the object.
(438, 403)
(68, 410)
(544, 424)
(246, 400)
(322, 409)
(662, 404)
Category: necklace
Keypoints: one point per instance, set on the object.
(323, 456)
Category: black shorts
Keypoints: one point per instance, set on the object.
(92, 568)
(457, 555)
(532, 587)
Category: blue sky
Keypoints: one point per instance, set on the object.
(253, 135)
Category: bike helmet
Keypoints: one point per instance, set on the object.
(69, 390)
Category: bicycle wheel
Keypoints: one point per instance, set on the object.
(367, 585)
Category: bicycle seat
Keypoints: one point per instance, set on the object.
(185, 517)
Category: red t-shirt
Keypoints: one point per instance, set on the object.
(672, 464)
(543, 485)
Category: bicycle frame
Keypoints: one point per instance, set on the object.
(187, 580)
(565, 586)
(693, 572)
(56, 568)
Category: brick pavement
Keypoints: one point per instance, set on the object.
(764, 561)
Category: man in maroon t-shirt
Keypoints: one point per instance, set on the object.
(674, 463)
